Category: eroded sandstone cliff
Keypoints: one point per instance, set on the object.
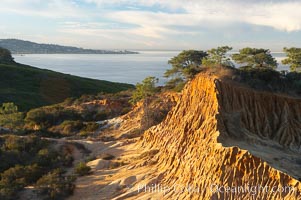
(221, 134)
(220, 140)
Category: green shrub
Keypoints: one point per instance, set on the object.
(145, 89)
(270, 80)
(101, 115)
(69, 127)
(12, 121)
(44, 133)
(32, 173)
(8, 108)
(95, 115)
(55, 185)
(15, 178)
(24, 160)
(82, 169)
(12, 180)
(84, 134)
(46, 117)
(10, 117)
(30, 144)
(91, 127)
(45, 157)
(5, 56)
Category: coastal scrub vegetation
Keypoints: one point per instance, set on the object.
(82, 169)
(72, 118)
(77, 117)
(144, 89)
(25, 160)
(10, 117)
(154, 106)
(55, 185)
(5, 56)
(256, 68)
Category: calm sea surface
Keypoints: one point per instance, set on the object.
(126, 68)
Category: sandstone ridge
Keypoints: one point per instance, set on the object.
(223, 134)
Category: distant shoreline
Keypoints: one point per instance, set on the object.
(26, 47)
(117, 53)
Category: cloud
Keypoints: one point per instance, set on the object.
(282, 16)
(279, 14)
(39, 8)
(157, 22)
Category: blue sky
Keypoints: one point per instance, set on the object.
(154, 24)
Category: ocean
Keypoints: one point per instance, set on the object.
(126, 68)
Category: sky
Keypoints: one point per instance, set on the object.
(154, 24)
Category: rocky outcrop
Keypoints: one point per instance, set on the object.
(271, 117)
(225, 141)
(146, 113)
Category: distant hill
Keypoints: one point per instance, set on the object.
(27, 47)
(31, 87)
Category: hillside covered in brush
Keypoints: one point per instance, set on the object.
(29, 87)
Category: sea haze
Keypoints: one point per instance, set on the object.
(126, 68)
